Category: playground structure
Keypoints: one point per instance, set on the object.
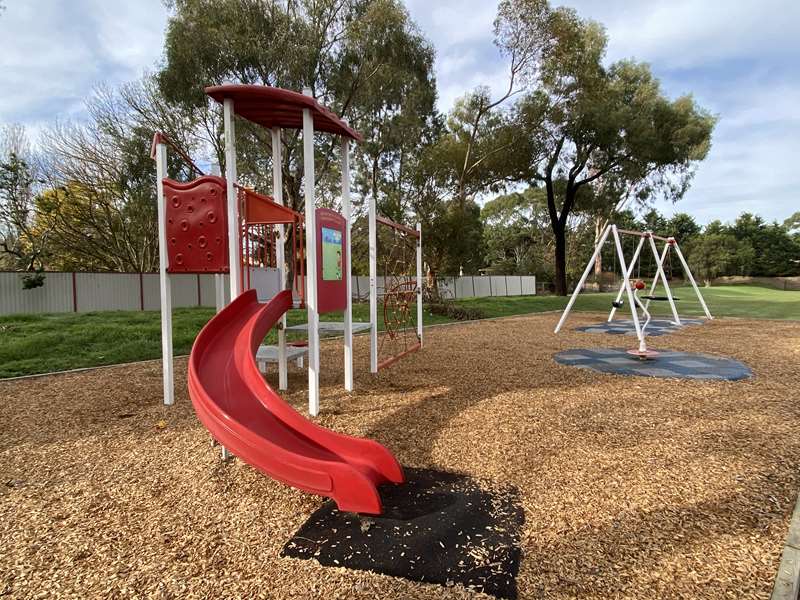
(632, 288)
(402, 269)
(215, 225)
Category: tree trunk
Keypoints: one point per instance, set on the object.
(599, 224)
(560, 234)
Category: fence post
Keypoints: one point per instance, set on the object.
(455, 288)
(74, 294)
(141, 291)
(473, 285)
(491, 292)
(505, 281)
(199, 297)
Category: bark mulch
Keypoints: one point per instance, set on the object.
(631, 487)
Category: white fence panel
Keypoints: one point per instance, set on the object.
(184, 290)
(151, 291)
(265, 281)
(130, 291)
(360, 287)
(498, 283)
(54, 296)
(483, 287)
(207, 290)
(463, 286)
(528, 285)
(98, 291)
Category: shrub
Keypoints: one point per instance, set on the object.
(454, 311)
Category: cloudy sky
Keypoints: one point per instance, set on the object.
(738, 57)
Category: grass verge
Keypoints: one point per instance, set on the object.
(43, 343)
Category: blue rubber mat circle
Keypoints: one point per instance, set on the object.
(656, 327)
(669, 364)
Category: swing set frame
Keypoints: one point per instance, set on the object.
(645, 238)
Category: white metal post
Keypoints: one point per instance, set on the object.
(688, 272)
(311, 261)
(163, 278)
(627, 275)
(219, 291)
(235, 267)
(419, 282)
(586, 272)
(219, 278)
(233, 204)
(628, 289)
(655, 279)
(348, 312)
(373, 286)
(660, 273)
(277, 194)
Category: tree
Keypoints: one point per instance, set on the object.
(100, 205)
(775, 249)
(364, 59)
(792, 224)
(682, 227)
(20, 246)
(519, 239)
(592, 125)
(714, 254)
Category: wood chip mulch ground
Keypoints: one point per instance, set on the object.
(631, 487)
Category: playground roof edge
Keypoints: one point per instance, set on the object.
(276, 107)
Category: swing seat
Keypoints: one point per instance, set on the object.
(643, 354)
(660, 298)
(616, 304)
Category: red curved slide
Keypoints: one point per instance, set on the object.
(244, 414)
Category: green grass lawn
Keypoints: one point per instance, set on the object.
(58, 341)
(53, 342)
(745, 301)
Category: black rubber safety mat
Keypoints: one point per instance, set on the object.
(437, 527)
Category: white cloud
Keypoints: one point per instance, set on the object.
(54, 53)
(686, 33)
(738, 57)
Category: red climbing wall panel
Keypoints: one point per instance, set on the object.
(197, 226)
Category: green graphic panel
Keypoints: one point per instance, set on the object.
(331, 254)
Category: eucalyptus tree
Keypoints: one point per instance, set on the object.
(22, 247)
(365, 59)
(589, 124)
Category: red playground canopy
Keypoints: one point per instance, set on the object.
(276, 107)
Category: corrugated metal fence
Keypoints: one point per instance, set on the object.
(85, 292)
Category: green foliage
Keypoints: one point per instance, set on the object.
(455, 311)
(519, 239)
(748, 247)
(591, 125)
(715, 254)
(33, 280)
(20, 246)
(681, 226)
(792, 224)
(364, 59)
(50, 342)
